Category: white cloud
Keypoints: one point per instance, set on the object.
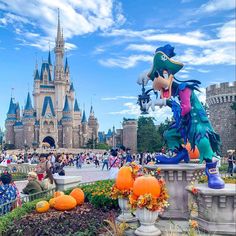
(132, 109)
(217, 5)
(201, 95)
(77, 17)
(141, 47)
(118, 97)
(125, 62)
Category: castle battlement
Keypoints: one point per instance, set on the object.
(221, 86)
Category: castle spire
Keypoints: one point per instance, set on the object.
(76, 106)
(91, 110)
(84, 119)
(66, 105)
(66, 66)
(28, 105)
(49, 57)
(12, 108)
(58, 25)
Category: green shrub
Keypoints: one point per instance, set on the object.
(98, 194)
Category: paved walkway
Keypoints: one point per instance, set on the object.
(88, 172)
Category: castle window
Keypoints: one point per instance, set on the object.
(51, 123)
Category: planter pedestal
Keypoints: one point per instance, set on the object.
(216, 209)
(125, 215)
(147, 221)
(177, 178)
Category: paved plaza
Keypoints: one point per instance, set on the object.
(88, 172)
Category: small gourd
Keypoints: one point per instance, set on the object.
(58, 193)
(42, 206)
(64, 203)
(78, 195)
(52, 202)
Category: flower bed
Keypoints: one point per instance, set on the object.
(86, 219)
(83, 220)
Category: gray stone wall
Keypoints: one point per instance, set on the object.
(9, 135)
(28, 127)
(19, 134)
(220, 99)
(67, 135)
(130, 134)
(76, 140)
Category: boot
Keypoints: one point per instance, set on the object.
(181, 155)
(214, 179)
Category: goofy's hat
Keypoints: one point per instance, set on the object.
(162, 61)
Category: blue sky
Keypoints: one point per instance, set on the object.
(110, 43)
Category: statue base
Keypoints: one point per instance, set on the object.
(177, 178)
(216, 209)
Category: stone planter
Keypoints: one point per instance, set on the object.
(177, 178)
(147, 220)
(216, 209)
(125, 215)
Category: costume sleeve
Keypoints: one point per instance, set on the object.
(185, 103)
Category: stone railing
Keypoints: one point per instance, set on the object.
(216, 212)
(19, 168)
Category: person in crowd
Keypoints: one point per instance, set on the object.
(59, 165)
(8, 193)
(105, 160)
(48, 181)
(79, 161)
(128, 157)
(114, 163)
(96, 161)
(42, 166)
(33, 185)
(231, 162)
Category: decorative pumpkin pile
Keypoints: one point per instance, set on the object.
(62, 202)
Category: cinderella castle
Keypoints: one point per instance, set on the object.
(55, 118)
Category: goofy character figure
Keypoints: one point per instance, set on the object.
(191, 123)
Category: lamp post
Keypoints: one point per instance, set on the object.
(144, 99)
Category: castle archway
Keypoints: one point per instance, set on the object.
(50, 141)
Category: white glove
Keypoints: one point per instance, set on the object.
(143, 79)
(158, 102)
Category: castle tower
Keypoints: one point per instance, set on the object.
(84, 124)
(130, 134)
(220, 98)
(93, 124)
(76, 126)
(28, 122)
(59, 76)
(9, 123)
(36, 91)
(67, 125)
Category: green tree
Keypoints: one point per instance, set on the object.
(148, 137)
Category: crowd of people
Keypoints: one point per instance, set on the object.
(47, 166)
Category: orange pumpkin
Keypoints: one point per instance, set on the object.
(192, 154)
(64, 202)
(58, 193)
(52, 202)
(42, 206)
(124, 180)
(147, 185)
(78, 195)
